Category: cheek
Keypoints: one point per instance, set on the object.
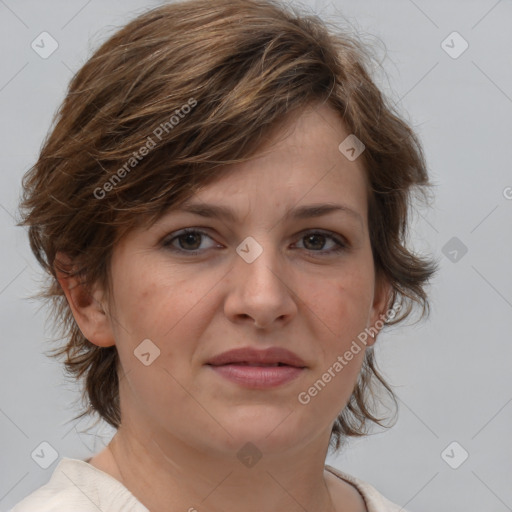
(340, 304)
(171, 311)
(169, 308)
(339, 312)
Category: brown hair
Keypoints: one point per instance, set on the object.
(198, 84)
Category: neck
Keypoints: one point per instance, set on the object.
(171, 475)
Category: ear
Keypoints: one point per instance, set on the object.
(380, 308)
(86, 305)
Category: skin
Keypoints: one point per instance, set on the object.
(182, 424)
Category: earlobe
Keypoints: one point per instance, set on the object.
(86, 305)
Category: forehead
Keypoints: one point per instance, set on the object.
(298, 172)
(299, 163)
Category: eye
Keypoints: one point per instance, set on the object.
(186, 239)
(189, 241)
(314, 241)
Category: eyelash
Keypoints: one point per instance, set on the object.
(341, 246)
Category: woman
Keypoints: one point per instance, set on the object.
(222, 206)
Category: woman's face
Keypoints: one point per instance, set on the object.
(263, 278)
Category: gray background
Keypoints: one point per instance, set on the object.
(451, 372)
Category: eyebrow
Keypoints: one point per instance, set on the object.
(301, 212)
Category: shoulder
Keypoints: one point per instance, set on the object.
(76, 485)
(374, 500)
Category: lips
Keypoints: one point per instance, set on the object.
(247, 356)
(258, 369)
(245, 363)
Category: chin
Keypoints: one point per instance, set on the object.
(270, 428)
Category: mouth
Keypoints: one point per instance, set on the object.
(248, 356)
(257, 369)
(257, 376)
(249, 363)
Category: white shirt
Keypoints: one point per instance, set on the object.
(77, 486)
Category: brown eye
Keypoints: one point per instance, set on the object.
(315, 242)
(186, 241)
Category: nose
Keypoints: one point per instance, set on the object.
(260, 292)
